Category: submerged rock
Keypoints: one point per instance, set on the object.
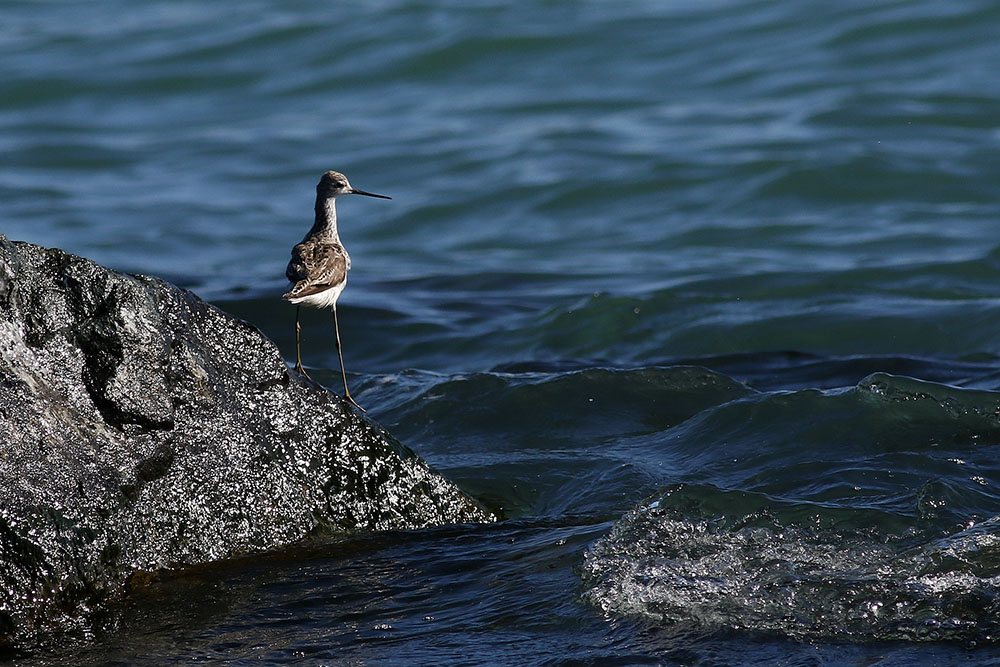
(141, 428)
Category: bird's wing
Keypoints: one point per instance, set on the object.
(315, 267)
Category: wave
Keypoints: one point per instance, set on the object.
(796, 570)
(862, 513)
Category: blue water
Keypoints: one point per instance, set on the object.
(703, 297)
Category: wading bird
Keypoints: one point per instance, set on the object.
(319, 265)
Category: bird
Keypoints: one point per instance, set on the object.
(319, 265)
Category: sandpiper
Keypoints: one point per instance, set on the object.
(320, 263)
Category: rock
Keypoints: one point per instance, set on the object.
(141, 429)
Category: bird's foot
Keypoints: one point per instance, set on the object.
(351, 399)
(302, 371)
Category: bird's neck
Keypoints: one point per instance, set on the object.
(326, 219)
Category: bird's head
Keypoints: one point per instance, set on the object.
(333, 184)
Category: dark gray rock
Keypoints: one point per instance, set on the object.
(141, 428)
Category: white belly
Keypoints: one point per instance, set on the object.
(325, 299)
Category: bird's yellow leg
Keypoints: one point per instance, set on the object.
(298, 345)
(347, 392)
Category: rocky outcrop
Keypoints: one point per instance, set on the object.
(141, 428)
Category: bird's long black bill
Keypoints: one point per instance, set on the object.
(355, 191)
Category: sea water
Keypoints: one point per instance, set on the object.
(702, 297)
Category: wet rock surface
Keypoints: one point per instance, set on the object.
(141, 428)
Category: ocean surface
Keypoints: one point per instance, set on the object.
(703, 297)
